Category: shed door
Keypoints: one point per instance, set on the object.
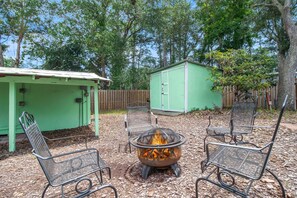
(165, 91)
(156, 91)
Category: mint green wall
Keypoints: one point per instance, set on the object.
(155, 91)
(52, 105)
(4, 107)
(176, 80)
(199, 89)
(173, 88)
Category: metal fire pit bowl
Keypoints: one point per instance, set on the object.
(158, 155)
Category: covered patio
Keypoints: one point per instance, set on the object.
(58, 99)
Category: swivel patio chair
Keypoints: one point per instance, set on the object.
(67, 168)
(243, 114)
(230, 162)
(138, 120)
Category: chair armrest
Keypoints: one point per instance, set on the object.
(156, 118)
(257, 126)
(256, 114)
(68, 137)
(209, 121)
(64, 138)
(65, 154)
(266, 146)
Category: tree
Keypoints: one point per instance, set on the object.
(241, 70)
(226, 24)
(69, 57)
(174, 29)
(1, 54)
(21, 17)
(282, 29)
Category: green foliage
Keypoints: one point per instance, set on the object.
(242, 70)
(8, 62)
(124, 40)
(20, 19)
(174, 29)
(226, 24)
(269, 24)
(68, 57)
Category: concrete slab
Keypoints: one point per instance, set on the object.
(167, 113)
(19, 138)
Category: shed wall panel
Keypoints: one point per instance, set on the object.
(155, 91)
(176, 88)
(200, 95)
(53, 106)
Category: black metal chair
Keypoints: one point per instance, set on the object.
(138, 120)
(68, 168)
(230, 161)
(243, 114)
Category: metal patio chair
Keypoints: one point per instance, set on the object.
(230, 162)
(138, 120)
(243, 114)
(67, 168)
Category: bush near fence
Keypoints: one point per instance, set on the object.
(228, 97)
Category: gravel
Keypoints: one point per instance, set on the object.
(21, 175)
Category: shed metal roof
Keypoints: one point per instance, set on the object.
(178, 63)
(7, 71)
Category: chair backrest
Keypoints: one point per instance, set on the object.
(243, 114)
(37, 141)
(275, 133)
(138, 116)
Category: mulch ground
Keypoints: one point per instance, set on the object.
(21, 175)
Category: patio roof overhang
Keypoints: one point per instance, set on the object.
(37, 76)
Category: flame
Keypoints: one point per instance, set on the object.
(158, 139)
(160, 154)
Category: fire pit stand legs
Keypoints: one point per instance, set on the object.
(147, 169)
(175, 169)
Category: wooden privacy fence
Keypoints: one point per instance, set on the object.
(228, 97)
(119, 99)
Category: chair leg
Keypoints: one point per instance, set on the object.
(102, 187)
(204, 143)
(197, 181)
(279, 182)
(109, 172)
(44, 191)
(99, 178)
(129, 147)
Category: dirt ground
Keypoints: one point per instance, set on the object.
(21, 175)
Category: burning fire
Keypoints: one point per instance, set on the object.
(160, 154)
(158, 139)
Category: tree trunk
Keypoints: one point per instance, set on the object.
(1, 55)
(164, 53)
(18, 55)
(286, 85)
(103, 66)
(288, 62)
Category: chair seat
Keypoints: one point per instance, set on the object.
(244, 162)
(138, 129)
(221, 131)
(71, 169)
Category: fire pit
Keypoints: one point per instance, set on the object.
(158, 148)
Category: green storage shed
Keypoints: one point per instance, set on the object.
(183, 87)
(57, 99)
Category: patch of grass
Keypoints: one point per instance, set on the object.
(270, 114)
